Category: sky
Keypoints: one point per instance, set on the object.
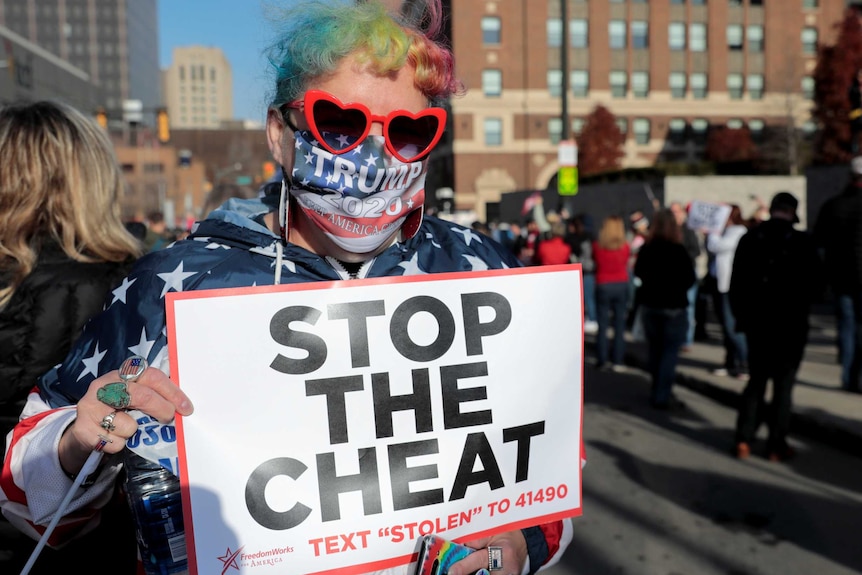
(238, 27)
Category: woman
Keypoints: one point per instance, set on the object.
(347, 74)
(665, 272)
(63, 245)
(611, 254)
(723, 248)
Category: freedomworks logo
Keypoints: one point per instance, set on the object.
(235, 559)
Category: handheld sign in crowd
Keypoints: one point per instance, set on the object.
(707, 216)
(337, 422)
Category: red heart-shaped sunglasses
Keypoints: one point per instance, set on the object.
(409, 137)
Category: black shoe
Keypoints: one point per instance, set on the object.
(673, 404)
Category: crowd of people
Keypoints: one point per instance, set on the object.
(760, 278)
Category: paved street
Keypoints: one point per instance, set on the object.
(663, 496)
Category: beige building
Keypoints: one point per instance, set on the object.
(197, 88)
(669, 70)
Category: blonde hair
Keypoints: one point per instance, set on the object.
(59, 179)
(612, 234)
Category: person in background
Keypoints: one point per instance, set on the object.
(691, 243)
(63, 245)
(777, 275)
(158, 236)
(221, 193)
(838, 233)
(664, 268)
(326, 57)
(63, 248)
(580, 238)
(723, 247)
(554, 250)
(611, 254)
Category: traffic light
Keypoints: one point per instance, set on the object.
(163, 125)
(102, 118)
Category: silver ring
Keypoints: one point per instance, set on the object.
(495, 558)
(107, 422)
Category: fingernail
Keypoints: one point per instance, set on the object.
(186, 407)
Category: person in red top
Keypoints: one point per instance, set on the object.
(611, 254)
(554, 250)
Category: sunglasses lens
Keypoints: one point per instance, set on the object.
(333, 121)
(412, 136)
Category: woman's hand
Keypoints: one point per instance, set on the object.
(152, 393)
(514, 554)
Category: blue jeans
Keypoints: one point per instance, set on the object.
(691, 294)
(665, 331)
(848, 310)
(735, 346)
(611, 298)
(590, 297)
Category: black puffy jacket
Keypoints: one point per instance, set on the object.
(45, 315)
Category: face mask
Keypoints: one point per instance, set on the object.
(361, 197)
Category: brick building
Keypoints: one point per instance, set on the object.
(667, 69)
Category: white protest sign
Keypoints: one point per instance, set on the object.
(707, 216)
(336, 422)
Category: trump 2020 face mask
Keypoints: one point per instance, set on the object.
(359, 198)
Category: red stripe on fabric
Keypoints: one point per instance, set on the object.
(553, 532)
(12, 491)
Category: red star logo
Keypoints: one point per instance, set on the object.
(229, 560)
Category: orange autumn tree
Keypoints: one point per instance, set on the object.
(836, 67)
(600, 143)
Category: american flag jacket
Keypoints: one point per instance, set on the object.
(231, 248)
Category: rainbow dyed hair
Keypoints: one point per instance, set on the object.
(317, 34)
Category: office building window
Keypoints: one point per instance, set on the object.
(810, 3)
(555, 83)
(555, 32)
(490, 30)
(808, 87)
(580, 83)
(492, 82)
(809, 128)
(676, 36)
(756, 128)
(640, 127)
(754, 83)
(698, 2)
(640, 34)
(677, 84)
(734, 124)
(623, 125)
(618, 82)
(734, 86)
(617, 34)
(699, 129)
(577, 126)
(734, 37)
(640, 84)
(698, 84)
(579, 34)
(676, 130)
(493, 131)
(555, 130)
(754, 35)
(697, 37)
(735, 2)
(677, 1)
(756, 2)
(809, 41)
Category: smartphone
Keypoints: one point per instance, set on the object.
(437, 555)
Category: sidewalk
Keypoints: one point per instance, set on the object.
(821, 410)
